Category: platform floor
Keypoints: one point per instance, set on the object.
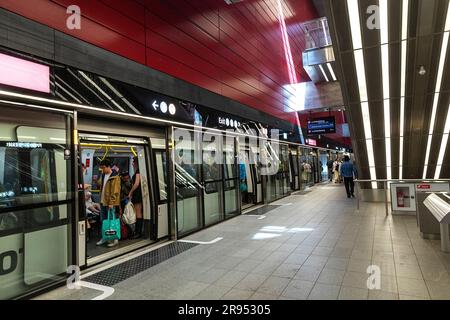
(313, 246)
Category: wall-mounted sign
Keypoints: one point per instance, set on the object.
(432, 187)
(164, 107)
(228, 122)
(24, 74)
(311, 142)
(24, 145)
(322, 125)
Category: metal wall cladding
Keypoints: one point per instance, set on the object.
(234, 50)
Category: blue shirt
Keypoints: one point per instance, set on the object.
(348, 169)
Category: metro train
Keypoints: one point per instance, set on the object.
(50, 151)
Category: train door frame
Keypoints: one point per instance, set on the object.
(153, 223)
(157, 195)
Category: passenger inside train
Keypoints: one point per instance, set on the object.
(102, 162)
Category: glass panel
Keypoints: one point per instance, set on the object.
(229, 160)
(187, 182)
(32, 256)
(161, 166)
(188, 202)
(306, 167)
(323, 160)
(212, 171)
(230, 197)
(213, 202)
(144, 187)
(271, 188)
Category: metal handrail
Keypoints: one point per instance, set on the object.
(385, 184)
(401, 180)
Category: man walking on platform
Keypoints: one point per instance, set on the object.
(347, 171)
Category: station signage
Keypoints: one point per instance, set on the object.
(322, 125)
(164, 107)
(228, 122)
(432, 187)
(311, 142)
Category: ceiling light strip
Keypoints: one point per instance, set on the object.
(117, 93)
(286, 45)
(324, 74)
(443, 147)
(404, 48)
(355, 26)
(446, 132)
(436, 97)
(330, 68)
(402, 128)
(101, 91)
(384, 38)
(325, 32)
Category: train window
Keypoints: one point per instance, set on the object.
(161, 166)
(211, 169)
(31, 173)
(211, 187)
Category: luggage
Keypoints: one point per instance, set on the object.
(123, 231)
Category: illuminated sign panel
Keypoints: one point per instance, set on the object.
(24, 74)
(228, 122)
(322, 125)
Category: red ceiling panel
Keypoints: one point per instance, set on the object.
(234, 50)
(104, 15)
(132, 9)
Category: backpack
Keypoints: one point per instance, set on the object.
(129, 214)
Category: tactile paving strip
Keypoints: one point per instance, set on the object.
(127, 269)
(263, 210)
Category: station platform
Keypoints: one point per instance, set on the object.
(311, 245)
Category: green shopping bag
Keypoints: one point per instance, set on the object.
(111, 226)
